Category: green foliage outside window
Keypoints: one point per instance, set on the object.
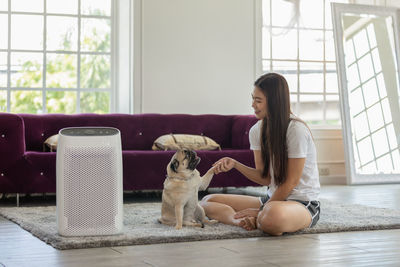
(3, 100)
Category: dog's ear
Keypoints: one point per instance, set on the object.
(174, 165)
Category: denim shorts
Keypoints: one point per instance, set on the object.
(314, 207)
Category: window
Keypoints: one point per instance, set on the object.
(55, 56)
(375, 142)
(297, 41)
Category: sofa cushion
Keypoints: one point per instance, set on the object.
(188, 141)
(51, 143)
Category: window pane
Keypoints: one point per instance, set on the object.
(311, 44)
(331, 78)
(3, 5)
(356, 102)
(266, 44)
(294, 103)
(328, 15)
(385, 164)
(62, 33)
(26, 102)
(311, 77)
(365, 150)
(371, 35)
(360, 126)
(4, 31)
(95, 71)
(266, 65)
(361, 42)
(311, 108)
(3, 100)
(27, 32)
(380, 141)
(96, 35)
(329, 46)
(332, 109)
(3, 69)
(366, 68)
(61, 102)
(353, 78)
(61, 71)
(283, 12)
(289, 70)
(282, 44)
(95, 102)
(26, 69)
(96, 7)
(370, 92)
(377, 60)
(62, 6)
(312, 13)
(266, 12)
(350, 56)
(27, 5)
(375, 117)
(369, 168)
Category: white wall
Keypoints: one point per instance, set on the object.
(196, 56)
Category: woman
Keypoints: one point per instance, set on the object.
(285, 160)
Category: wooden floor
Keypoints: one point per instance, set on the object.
(367, 248)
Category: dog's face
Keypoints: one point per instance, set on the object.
(183, 161)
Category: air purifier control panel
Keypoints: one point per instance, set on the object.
(89, 131)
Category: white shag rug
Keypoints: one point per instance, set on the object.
(141, 226)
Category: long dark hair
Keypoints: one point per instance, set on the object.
(275, 125)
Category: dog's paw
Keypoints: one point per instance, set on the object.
(178, 227)
(210, 221)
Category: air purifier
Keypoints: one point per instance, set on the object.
(89, 182)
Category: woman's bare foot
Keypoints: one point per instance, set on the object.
(248, 223)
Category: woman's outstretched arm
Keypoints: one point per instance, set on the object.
(253, 174)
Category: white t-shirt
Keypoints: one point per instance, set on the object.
(300, 144)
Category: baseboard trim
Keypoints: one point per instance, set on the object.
(333, 179)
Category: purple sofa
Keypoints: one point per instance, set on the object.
(25, 168)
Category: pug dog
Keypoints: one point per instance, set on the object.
(180, 206)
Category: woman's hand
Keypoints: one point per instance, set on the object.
(224, 165)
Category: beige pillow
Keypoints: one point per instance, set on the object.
(188, 141)
(51, 143)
